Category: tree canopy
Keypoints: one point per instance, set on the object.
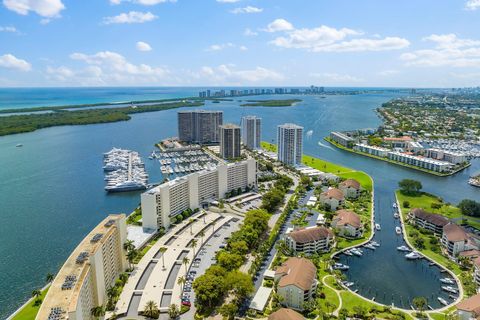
(410, 186)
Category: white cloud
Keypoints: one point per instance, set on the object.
(143, 46)
(44, 8)
(247, 9)
(386, 73)
(12, 62)
(448, 50)
(336, 78)
(228, 74)
(142, 2)
(60, 73)
(328, 39)
(249, 33)
(279, 25)
(472, 4)
(8, 29)
(130, 17)
(243, 48)
(223, 46)
(45, 21)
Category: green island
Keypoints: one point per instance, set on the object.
(31, 122)
(270, 103)
(440, 174)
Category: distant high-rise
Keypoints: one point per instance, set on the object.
(290, 144)
(251, 132)
(230, 141)
(199, 126)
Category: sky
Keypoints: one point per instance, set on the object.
(358, 43)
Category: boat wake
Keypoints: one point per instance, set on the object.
(324, 145)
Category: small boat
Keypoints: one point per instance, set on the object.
(394, 205)
(413, 255)
(348, 253)
(449, 289)
(396, 215)
(369, 246)
(339, 266)
(349, 284)
(377, 227)
(375, 243)
(356, 252)
(403, 248)
(447, 280)
(398, 230)
(19, 145)
(442, 301)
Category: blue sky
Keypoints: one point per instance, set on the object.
(408, 43)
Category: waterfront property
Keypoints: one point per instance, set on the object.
(342, 139)
(92, 268)
(348, 224)
(310, 240)
(285, 314)
(455, 240)
(373, 150)
(296, 282)
(351, 188)
(164, 202)
(290, 144)
(251, 132)
(199, 126)
(421, 162)
(332, 198)
(469, 308)
(429, 221)
(476, 274)
(444, 155)
(229, 141)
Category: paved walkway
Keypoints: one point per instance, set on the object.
(336, 311)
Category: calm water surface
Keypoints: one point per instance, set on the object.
(51, 191)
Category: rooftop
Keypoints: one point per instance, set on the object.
(285, 314)
(299, 272)
(334, 193)
(433, 218)
(454, 233)
(345, 217)
(471, 304)
(310, 234)
(351, 183)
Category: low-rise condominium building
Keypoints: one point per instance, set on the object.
(348, 224)
(310, 240)
(421, 162)
(92, 268)
(429, 221)
(469, 309)
(444, 155)
(342, 139)
(373, 150)
(455, 240)
(162, 203)
(332, 198)
(285, 314)
(351, 188)
(297, 282)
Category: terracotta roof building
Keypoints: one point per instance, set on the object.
(333, 197)
(348, 224)
(469, 308)
(351, 188)
(296, 282)
(429, 221)
(455, 239)
(476, 273)
(285, 314)
(310, 240)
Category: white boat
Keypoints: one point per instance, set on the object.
(413, 255)
(396, 215)
(369, 246)
(442, 301)
(348, 253)
(398, 230)
(339, 266)
(394, 205)
(126, 186)
(375, 243)
(447, 280)
(377, 226)
(403, 248)
(449, 289)
(19, 145)
(356, 252)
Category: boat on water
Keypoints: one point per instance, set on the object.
(348, 284)
(356, 252)
(348, 253)
(442, 301)
(449, 289)
(126, 186)
(375, 243)
(474, 181)
(398, 230)
(394, 205)
(396, 215)
(19, 145)
(447, 280)
(339, 266)
(377, 227)
(413, 255)
(369, 246)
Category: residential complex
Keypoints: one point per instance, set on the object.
(251, 132)
(455, 240)
(310, 240)
(469, 308)
(160, 204)
(351, 188)
(448, 156)
(429, 221)
(92, 268)
(422, 162)
(290, 144)
(348, 224)
(342, 139)
(332, 198)
(296, 282)
(373, 150)
(199, 126)
(229, 141)
(285, 314)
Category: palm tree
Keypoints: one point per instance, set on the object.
(173, 312)
(97, 311)
(131, 256)
(112, 292)
(162, 250)
(151, 310)
(49, 278)
(191, 224)
(36, 294)
(185, 262)
(181, 281)
(194, 245)
(202, 234)
(128, 245)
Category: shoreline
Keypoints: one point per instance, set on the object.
(438, 174)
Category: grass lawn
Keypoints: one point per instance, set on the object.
(29, 312)
(330, 296)
(425, 201)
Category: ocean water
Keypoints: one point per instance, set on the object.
(51, 189)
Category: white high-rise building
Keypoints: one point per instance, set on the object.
(251, 132)
(92, 268)
(290, 144)
(164, 202)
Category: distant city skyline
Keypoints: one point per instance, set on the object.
(369, 43)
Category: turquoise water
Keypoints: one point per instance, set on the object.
(51, 189)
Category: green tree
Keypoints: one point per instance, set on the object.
(201, 235)
(360, 311)
(36, 294)
(194, 245)
(49, 278)
(209, 288)
(406, 204)
(420, 303)
(228, 311)
(129, 245)
(239, 284)
(173, 312)
(131, 256)
(410, 186)
(238, 247)
(97, 312)
(181, 282)
(229, 261)
(185, 262)
(469, 207)
(151, 310)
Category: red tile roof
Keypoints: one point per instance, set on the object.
(285, 314)
(310, 234)
(334, 193)
(345, 217)
(352, 183)
(299, 272)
